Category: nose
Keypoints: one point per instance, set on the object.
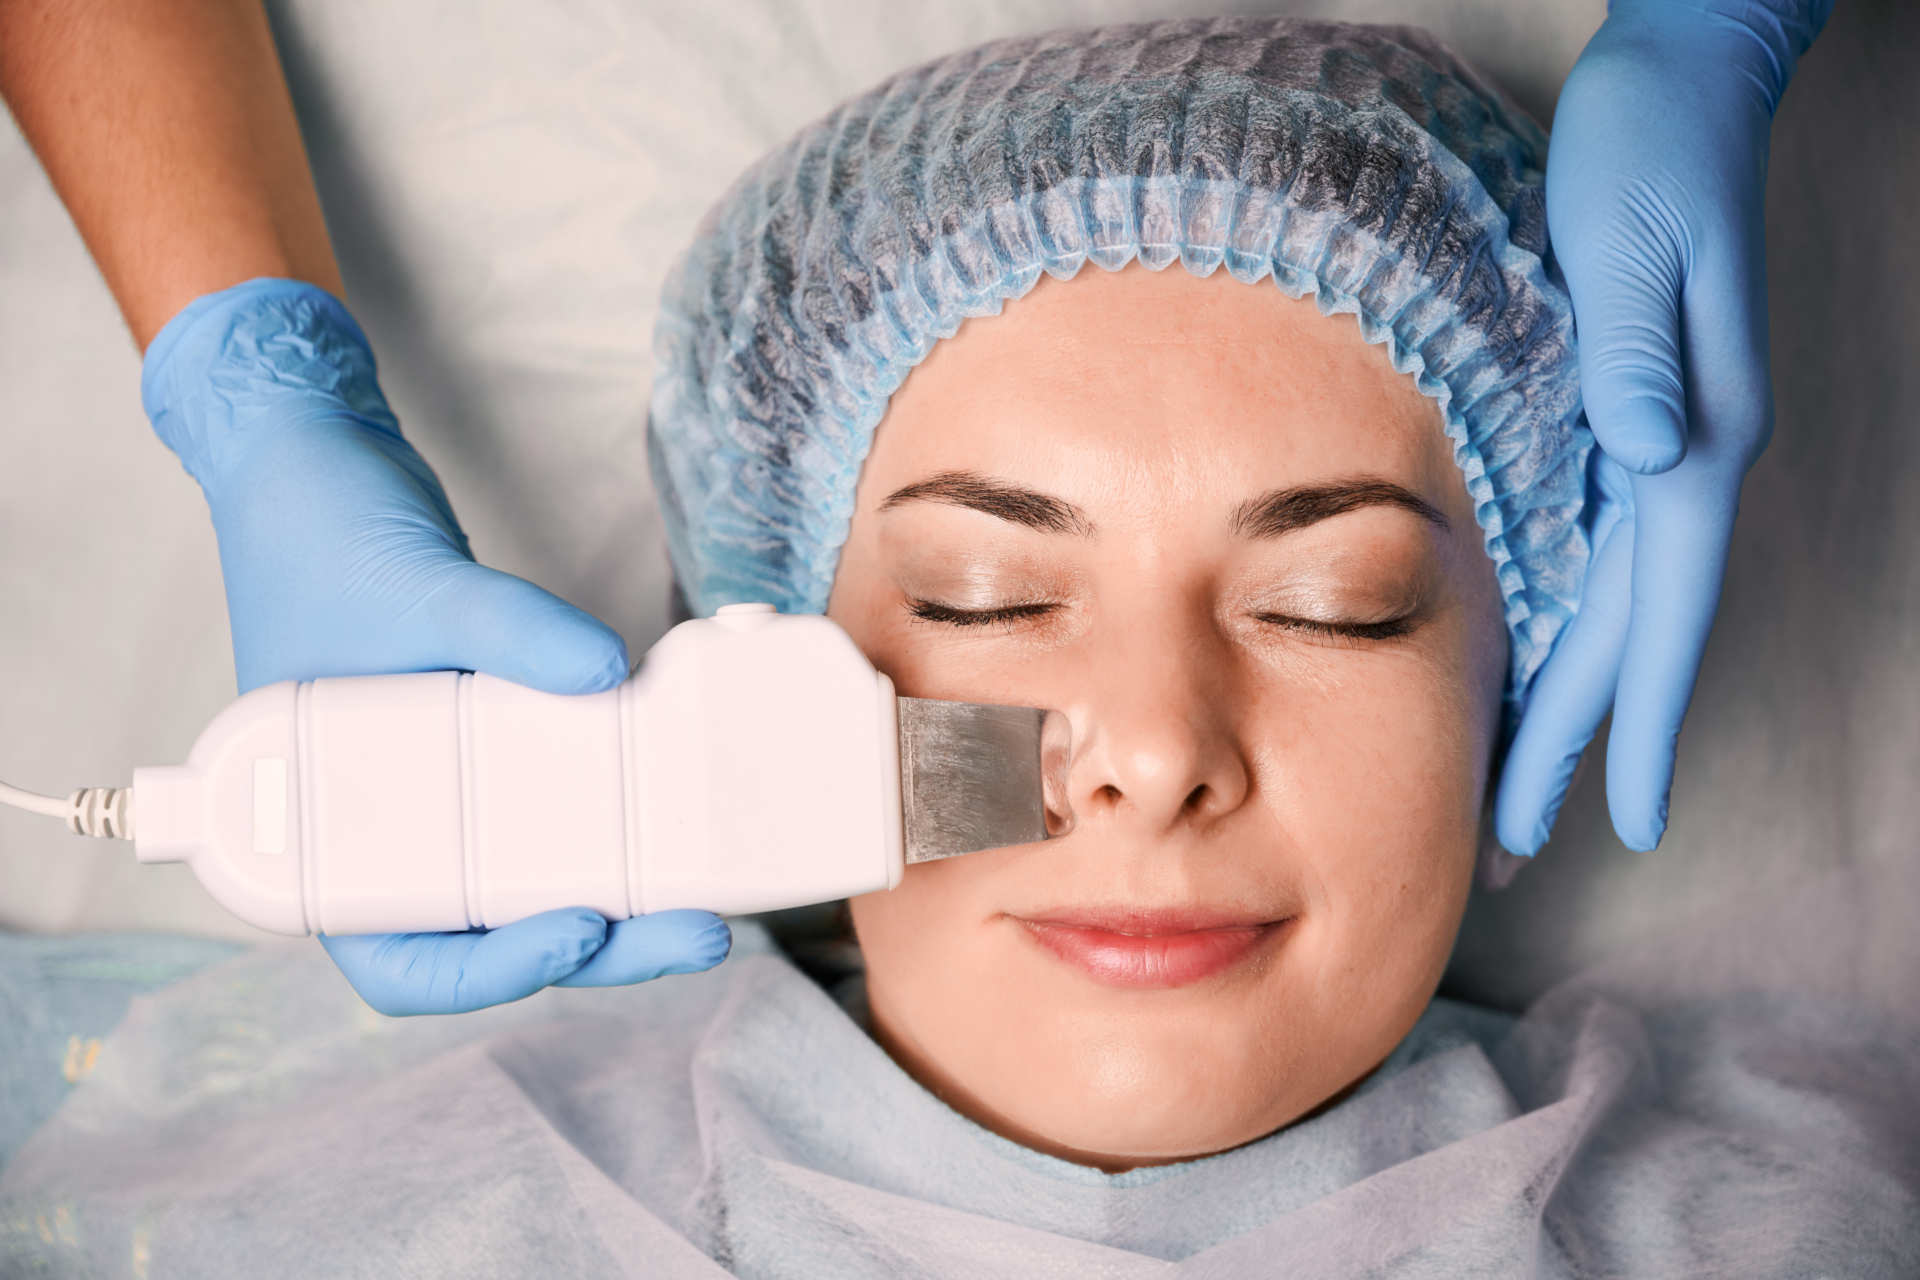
(1155, 737)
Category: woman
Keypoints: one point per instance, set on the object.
(1289, 574)
(1263, 564)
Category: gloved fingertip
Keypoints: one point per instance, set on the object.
(1529, 843)
(1552, 815)
(1643, 839)
(1641, 432)
(709, 948)
(1536, 839)
(611, 675)
(604, 670)
(1521, 840)
(1523, 830)
(508, 627)
(578, 655)
(587, 921)
(1644, 835)
(576, 939)
(1515, 831)
(1648, 454)
(703, 950)
(653, 946)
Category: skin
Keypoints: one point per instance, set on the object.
(1227, 752)
(166, 127)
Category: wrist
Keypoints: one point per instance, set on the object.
(1765, 37)
(262, 355)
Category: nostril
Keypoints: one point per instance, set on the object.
(1197, 798)
(1108, 793)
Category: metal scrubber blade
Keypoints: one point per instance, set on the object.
(978, 776)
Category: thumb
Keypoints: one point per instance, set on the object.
(1627, 313)
(1626, 309)
(507, 627)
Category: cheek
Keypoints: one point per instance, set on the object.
(1377, 787)
(917, 917)
(942, 981)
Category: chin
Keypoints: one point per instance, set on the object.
(1154, 1089)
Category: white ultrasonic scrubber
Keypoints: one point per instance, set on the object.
(756, 760)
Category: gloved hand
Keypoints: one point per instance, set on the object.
(341, 556)
(1656, 178)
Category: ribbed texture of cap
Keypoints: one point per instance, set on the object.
(1364, 166)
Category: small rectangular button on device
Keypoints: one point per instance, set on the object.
(270, 805)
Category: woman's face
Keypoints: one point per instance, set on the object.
(1221, 533)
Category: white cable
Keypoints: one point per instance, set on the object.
(91, 811)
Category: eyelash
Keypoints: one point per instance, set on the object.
(931, 611)
(1387, 630)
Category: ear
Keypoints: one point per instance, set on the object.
(1495, 868)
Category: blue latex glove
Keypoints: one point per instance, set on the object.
(1656, 178)
(341, 556)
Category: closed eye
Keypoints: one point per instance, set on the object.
(1386, 630)
(933, 611)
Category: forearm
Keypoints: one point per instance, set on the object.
(167, 129)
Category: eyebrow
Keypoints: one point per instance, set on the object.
(1271, 515)
(1010, 502)
(1283, 510)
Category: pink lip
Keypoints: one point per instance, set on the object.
(1152, 949)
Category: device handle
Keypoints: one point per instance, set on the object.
(751, 764)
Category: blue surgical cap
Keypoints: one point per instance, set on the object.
(1366, 166)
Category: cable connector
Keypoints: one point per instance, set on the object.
(106, 812)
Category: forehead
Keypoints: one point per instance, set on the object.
(1161, 380)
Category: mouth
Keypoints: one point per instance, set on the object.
(1152, 949)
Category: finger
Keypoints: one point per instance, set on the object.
(653, 946)
(1679, 559)
(1625, 275)
(1684, 527)
(507, 627)
(1569, 699)
(404, 974)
